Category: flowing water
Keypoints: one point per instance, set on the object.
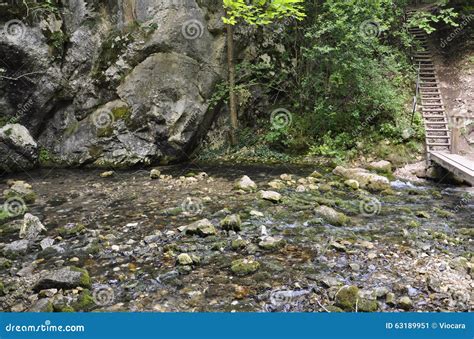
(414, 241)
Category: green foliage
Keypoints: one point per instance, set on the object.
(425, 20)
(262, 12)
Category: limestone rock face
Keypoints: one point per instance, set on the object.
(101, 91)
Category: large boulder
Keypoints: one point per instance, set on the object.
(97, 89)
(18, 150)
(65, 278)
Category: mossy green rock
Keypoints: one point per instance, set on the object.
(65, 278)
(71, 230)
(238, 244)
(85, 302)
(2, 289)
(232, 223)
(185, 259)
(347, 297)
(366, 305)
(271, 243)
(354, 184)
(244, 266)
(422, 214)
(5, 264)
(332, 216)
(20, 190)
(405, 303)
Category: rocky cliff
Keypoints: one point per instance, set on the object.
(106, 83)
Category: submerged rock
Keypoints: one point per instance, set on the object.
(244, 266)
(332, 216)
(65, 278)
(31, 227)
(270, 243)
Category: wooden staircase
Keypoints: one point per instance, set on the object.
(432, 107)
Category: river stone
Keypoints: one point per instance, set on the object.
(155, 174)
(107, 174)
(383, 166)
(18, 150)
(255, 213)
(270, 196)
(316, 175)
(232, 223)
(366, 305)
(276, 184)
(201, 227)
(332, 216)
(422, 214)
(347, 297)
(270, 243)
(244, 266)
(365, 178)
(185, 259)
(20, 189)
(31, 227)
(354, 184)
(42, 305)
(239, 243)
(16, 248)
(390, 299)
(405, 303)
(65, 278)
(245, 184)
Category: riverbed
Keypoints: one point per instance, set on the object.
(408, 248)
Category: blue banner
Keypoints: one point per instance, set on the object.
(236, 325)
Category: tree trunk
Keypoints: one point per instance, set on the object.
(232, 100)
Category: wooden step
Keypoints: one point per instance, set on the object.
(438, 144)
(432, 109)
(435, 117)
(428, 130)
